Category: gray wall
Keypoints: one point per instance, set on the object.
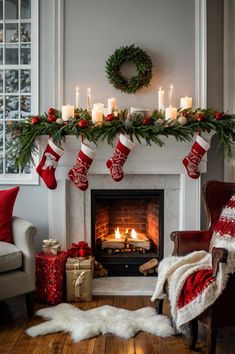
(93, 30)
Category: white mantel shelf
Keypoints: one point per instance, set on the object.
(144, 163)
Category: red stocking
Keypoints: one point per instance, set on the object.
(192, 160)
(116, 162)
(78, 174)
(47, 166)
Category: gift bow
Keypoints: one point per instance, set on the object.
(51, 245)
(77, 282)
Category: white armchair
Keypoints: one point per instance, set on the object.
(17, 263)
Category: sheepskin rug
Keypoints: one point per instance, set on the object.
(101, 320)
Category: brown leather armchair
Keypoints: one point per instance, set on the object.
(222, 312)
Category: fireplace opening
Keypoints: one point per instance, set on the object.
(127, 228)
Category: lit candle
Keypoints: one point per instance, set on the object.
(98, 106)
(88, 106)
(171, 95)
(77, 98)
(97, 116)
(67, 112)
(161, 103)
(171, 113)
(186, 102)
(111, 105)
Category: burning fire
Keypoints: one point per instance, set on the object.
(133, 234)
(117, 233)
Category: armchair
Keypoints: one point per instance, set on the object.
(221, 312)
(17, 263)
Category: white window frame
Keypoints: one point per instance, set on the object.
(31, 178)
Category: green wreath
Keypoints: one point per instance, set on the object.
(143, 66)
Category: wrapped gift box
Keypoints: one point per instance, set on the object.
(79, 274)
(50, 271)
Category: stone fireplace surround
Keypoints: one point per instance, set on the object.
(147, 167)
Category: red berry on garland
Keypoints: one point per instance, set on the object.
(218, 115)
(83, 123)
(35, 120)
(147, 121)
(51, 118)
(109, 117)
(200, 117)
(51, 111)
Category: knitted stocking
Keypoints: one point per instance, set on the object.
(49, 161)
(116, 162)
(192, 160)
(78, 174)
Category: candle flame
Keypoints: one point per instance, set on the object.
(77, 88)
(117, 233)
(160, 88)
(89, 90)
(133, 233)
(171, 87)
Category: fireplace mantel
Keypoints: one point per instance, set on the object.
(144, 160)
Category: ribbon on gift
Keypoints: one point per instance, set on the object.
(80, 249)
(50, 247)
(78, 279)
(79, 263)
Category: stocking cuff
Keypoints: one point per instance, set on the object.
(126, 142)
(59, 151)
(87, 151)
(203, 143)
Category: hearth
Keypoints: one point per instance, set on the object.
(127, 228)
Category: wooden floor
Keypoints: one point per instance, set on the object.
(14, 340)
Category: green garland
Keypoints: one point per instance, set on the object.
(151, 129)
(143, 66)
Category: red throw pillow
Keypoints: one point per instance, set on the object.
(7, 201)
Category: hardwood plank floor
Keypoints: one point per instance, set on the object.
(14, 340)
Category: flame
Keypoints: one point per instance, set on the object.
(117, 233)
(133, 233)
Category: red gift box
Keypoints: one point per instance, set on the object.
(50, 272)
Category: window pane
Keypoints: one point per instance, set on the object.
(25, 32)
(25, 81)
(10, 160)
(1, 32)
(12, 107)
(27, 169)
(1, 150)
(11, 9)
(1, 10)
(11, 55)
(25, 9)
(12, 81)
(25, 54)
(1, 107)
(1, 55)
(11, 32)
(1, 81)
(25, 106)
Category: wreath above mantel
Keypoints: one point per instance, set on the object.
(150, 128)
(143, 67)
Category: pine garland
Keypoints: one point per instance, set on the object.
(143, 66)
(151, 129)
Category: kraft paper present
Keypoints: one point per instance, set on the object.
(79, 285)
(80, 263)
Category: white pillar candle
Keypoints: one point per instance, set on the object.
(98, 106)
(171, 96)
(161, 102)
(77, 98)
(97, 116)
(171, 113)
(112, 105)
(67, 112)
(88, 102)
(186, 102)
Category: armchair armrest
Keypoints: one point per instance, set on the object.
(23, 237)
(189, 241)
(218, 255)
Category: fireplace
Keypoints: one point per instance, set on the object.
(126, 228)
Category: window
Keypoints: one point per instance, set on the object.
(18, 79)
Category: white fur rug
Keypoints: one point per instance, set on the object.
(101, 320)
